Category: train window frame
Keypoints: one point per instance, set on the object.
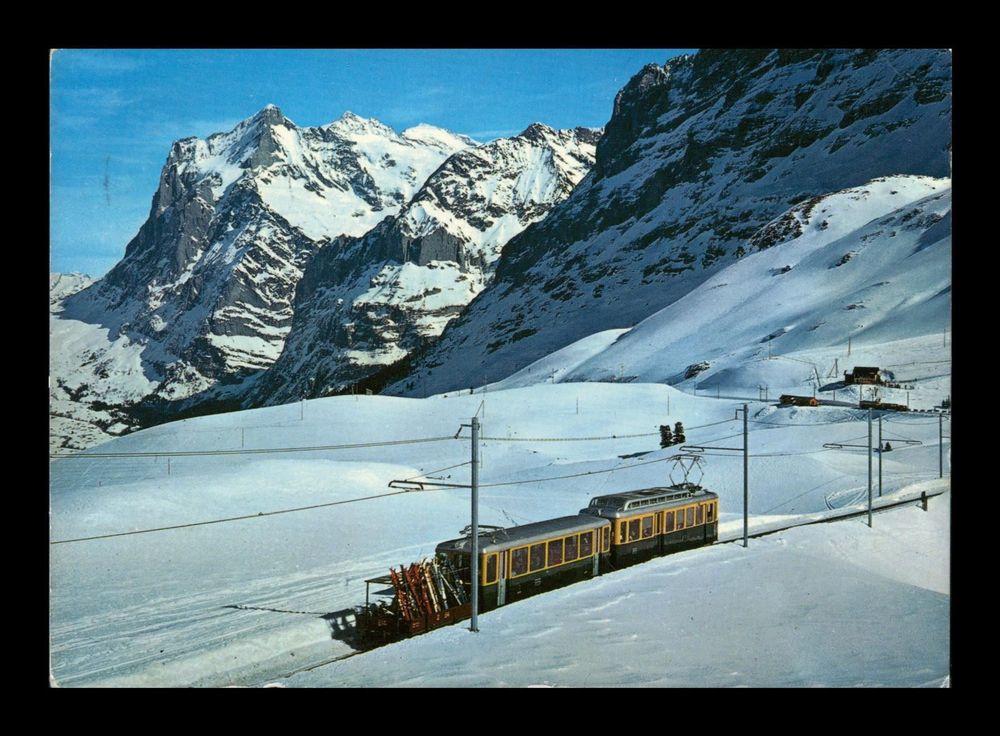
(668, 522)
(622, 527)
(514, 553)
(575, 539)
(646, 528)
(690, 516)
(710, 512)
(503, 564)
(606, 539)
(633, 529)
(548, 552)
(656, 523)
(490, 559)
(699, 519)
(679, 520)
(532, 558)
(589, 536)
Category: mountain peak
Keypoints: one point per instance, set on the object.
(353, 122)
(271, 114)
(536, 131)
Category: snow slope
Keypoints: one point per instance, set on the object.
(248, 601)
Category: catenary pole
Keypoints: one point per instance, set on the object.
(746, 492)
(880, 448)
(475, 525)
(869, 467)
(941, 445)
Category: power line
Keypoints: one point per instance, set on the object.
(231, 518)
(845, 420)
(439, 470)
(360, 445)
(256, 451)
(573, 475)
(570, 439)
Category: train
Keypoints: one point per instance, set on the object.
(613, 532)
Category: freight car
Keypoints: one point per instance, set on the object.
(612, 532)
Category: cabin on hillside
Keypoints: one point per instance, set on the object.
(864, 375)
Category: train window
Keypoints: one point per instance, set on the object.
(555, 552)
(607, 538)
(519, 561)
(656, 518)
(586, 544)
(701, 515)
(633, 530)
(571, 548)
(690, 516)
(537, 556)
(668, 521)
(503, 564)
(710, 512)
(621, 532)
(491, 569)
(647, 527)
(680, 518)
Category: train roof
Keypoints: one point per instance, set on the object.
(660, 497)
(516, 536)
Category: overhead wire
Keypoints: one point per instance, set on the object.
(250, 451)
(226, 520)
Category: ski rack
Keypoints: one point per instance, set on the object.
(425, 595)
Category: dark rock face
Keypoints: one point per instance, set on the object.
(700, 155)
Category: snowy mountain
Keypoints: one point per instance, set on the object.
(62, 285)
(204, 291)
(364, 303)
(698, 160)
(870, 265)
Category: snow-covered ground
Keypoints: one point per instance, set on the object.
(253, 600)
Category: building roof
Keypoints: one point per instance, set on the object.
(495, 540)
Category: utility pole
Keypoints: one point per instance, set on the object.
(848, 344)
(475, 525)
(869, 467)
(880, 446)
(746, 491)
(746, 456)
(940, 445)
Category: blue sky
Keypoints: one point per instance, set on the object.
(116, 112)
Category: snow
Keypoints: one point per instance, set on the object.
(250, 601)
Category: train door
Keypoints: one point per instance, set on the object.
(502, 581)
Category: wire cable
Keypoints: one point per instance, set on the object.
(228, 519)
(439, 470)
(255, 451)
